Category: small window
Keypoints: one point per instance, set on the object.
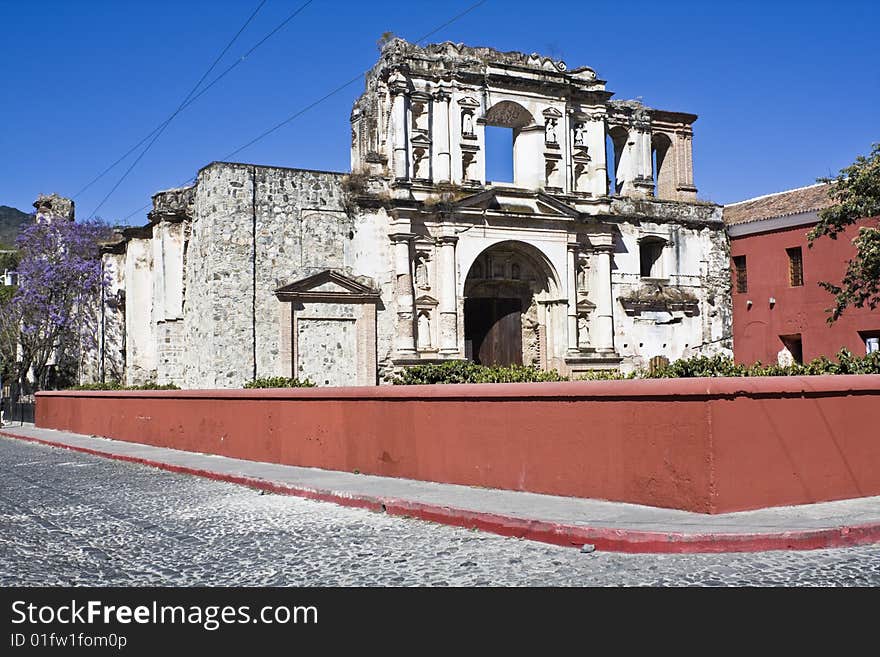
(739, 266)
(649, 257)
(795, 267)
(871, 340)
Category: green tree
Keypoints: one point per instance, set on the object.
(856, 193)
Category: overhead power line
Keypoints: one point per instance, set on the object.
(190, 99)
(186, 101)
(320, 100)
(335, 91)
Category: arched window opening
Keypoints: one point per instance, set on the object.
(499, 154)
(513, 146)
(650, 258)
(615, 143)
(662, 165)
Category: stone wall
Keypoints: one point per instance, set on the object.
(113, 333)
(683, 309)
(296, 221)
(371, 256)
(301, 229)
(139, 326)
(168, 272)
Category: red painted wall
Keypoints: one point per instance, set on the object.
(756, 330)
(706, 445)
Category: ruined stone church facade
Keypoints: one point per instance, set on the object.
(597, 255)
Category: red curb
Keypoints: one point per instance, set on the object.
(603, 538)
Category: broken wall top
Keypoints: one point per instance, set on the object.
(455, 60)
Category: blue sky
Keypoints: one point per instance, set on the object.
(786, 91)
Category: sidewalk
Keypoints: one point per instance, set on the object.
(573, 522)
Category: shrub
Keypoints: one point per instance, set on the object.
(279, 382)
(459, 371)
(605, 375)
(717, 365)
(845, 363)
(113, 385)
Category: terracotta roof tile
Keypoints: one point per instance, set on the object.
(782, 204)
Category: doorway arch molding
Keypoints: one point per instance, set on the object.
(471, 250)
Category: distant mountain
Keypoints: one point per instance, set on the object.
(11, 223)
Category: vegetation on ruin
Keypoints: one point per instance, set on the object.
(279, 382)
(698, 366)
(856, 193)
(445, 195)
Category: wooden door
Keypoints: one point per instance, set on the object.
(494, 327)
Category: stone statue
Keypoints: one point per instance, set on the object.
(467, 124)
(424, 337)
(582, 274)
(550, 131)
(583, 332)
(422, 273)
(579, 134)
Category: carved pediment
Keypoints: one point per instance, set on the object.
(519, 202)
(420, 140)
(660, 298)
(585, 307)
(328, 285)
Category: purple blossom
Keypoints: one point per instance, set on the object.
(60, 280)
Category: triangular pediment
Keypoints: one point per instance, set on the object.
(328, 283)
(519, 202)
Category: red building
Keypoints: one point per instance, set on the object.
(779, 310)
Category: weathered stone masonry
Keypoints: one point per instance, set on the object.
(586, 260)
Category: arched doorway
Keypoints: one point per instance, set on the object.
(504, 317)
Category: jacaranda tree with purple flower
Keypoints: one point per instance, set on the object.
(52, 316)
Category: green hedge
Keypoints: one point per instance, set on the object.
(119, 386)
(279, 382)
(698, 366)
(458, 371)
(845, 363)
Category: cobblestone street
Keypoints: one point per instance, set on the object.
(73, 519)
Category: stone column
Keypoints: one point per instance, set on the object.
(603, 337)
(570, 184)
(448, 297)
(397, 86)
(572, 297)
(405, 334)
(685, 152)
(440, 137)
(599, 167)
(644, 168)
